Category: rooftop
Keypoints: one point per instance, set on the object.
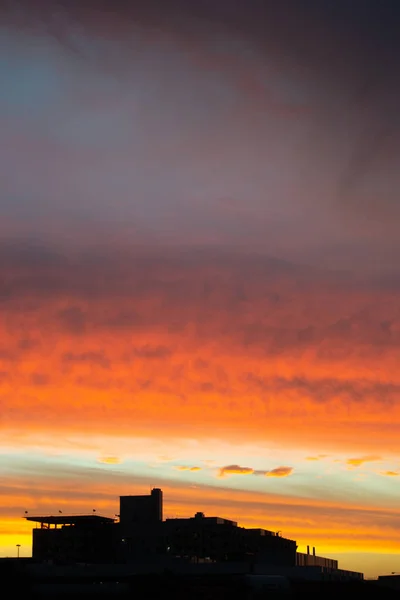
(69, 519)
(200, 517)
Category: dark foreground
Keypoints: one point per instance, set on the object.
(19, 583)
(196, 588)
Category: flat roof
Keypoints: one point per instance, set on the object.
(69, 519)
(203, 519)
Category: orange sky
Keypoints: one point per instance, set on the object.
(199, 280)
(284, 358)
(270, 401)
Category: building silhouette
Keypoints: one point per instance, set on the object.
(141, 510)
(73, 539)
(201, 538)
(142, 536)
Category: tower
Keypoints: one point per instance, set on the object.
(141, 510)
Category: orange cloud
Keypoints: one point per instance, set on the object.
(315, 458)
(280, 472)
(164, 458)
(183, 468)
(235, 470)
(357, 462)
(390, 473)
(110, 460)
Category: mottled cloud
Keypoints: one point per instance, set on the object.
(238, 470)
(147, 352)
(130, 287)
(185, 468)
(94, 358)
(358, 462)
(204, 331)
(390, 473)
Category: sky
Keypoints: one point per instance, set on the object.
(199, 276)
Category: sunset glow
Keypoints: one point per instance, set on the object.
(199, 278)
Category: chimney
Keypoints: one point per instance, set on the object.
(313, 551)
(308, 549)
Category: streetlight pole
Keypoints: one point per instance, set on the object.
(18, 547)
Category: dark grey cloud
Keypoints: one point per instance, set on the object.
(94, 358)
(309, 160)
(152, 352)
(6, 355)
(27, 344)
(120, 273)
(265, 305)
(325, 390)
(39, 379)
(73, 320)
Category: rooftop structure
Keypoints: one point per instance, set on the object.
(200, 517)
(69, 520)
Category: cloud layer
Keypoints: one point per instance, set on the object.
(175, 341)
(199, 244)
